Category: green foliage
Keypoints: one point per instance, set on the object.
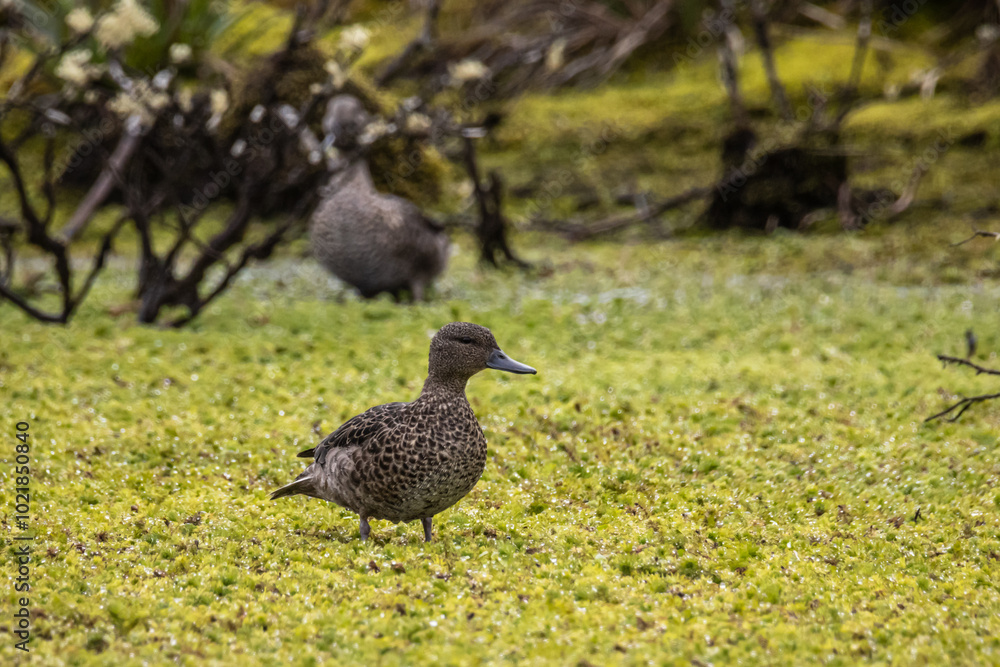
(254, 30)
(197, 23)
(720, 460)
(660, 131)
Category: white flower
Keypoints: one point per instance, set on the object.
(556, 55)
(929, 83)
(155, 99)
(185, 99)
(465, 189)
(180, 53)
(288, 115)
(124, 23)
(142, 101)
(467, 70)
(112, 32)
(417, 123)
(337, 74)
(219, 99)
(75, 67)
(987, 33)
(354, 38)
(374, 130)
(137, 17)
(125, 105)
(79, 20)
(162, 79)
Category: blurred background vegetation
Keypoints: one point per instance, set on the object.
(641, 119)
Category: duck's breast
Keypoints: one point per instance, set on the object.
(429, 470)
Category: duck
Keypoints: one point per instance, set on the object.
(376, 242)
(407, 461)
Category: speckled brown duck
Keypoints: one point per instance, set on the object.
(373, 241)
(409, 461)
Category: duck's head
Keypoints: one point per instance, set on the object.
(344, 121)
(462, 349)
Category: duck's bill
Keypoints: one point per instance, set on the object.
(501, 362)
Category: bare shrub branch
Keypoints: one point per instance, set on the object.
(957, 409)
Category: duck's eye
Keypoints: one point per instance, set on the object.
(466, 340)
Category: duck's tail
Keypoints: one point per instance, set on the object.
(303, 485)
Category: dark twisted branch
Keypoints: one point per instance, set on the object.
(37, 235)
(976, 233)
(649, 24)
(106, 181)
(8, 228)
(23, 84)
(588, 41)
(964, 404)
(257, 251)
(423, 43)
(729, 66)
(609, 225)
(157, 170)
(758, 11)
(821, 15)
(162, 283)
(185, 228)
(164, 289)
(34, 223)
(23, 304)
(158, 285)
(48, 159)
(909, 194)
(850, 92)
(492, 228)
(980, 370)
(107, 244)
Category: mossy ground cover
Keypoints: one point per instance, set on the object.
(720, 459)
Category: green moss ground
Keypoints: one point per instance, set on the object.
(708, 467)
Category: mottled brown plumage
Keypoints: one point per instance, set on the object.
(373, 241)
(408, 461)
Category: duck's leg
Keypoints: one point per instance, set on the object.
(417, 291)
(427, 528)
(365, 528)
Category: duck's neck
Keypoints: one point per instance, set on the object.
(443, 389)
(352, 178)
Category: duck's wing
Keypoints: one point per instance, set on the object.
(431, 223)
(409, 213)
(356, 431)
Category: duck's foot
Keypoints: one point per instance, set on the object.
(427, 528)
(365, 528)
